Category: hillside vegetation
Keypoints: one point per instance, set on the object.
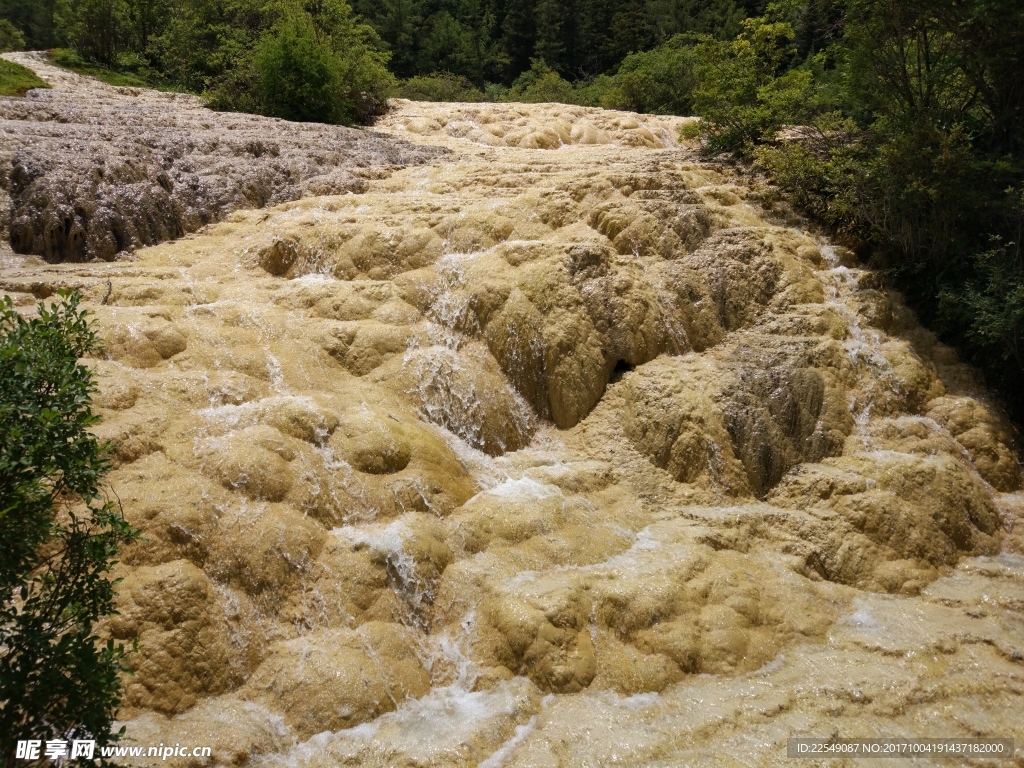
(910, 145)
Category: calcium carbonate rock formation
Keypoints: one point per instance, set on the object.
(94, 171)
(561, 448)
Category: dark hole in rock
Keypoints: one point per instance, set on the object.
(621, 368)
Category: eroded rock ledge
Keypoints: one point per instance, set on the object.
(93, 171)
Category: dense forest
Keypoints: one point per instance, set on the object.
(495, 40)
(898, 124)
(482, 40)
(235, 51)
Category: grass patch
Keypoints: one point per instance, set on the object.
(16, 80)
(120, 77)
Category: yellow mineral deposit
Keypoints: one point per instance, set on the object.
(563, 449)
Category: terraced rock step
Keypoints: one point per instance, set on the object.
(560, 449)
(93, 172)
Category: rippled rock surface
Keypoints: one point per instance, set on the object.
(563, 449)
(93, 172)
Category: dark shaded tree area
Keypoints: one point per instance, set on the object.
(910, 145)
(34, 19)
(484, 41)
(270, 56)
(495, 40)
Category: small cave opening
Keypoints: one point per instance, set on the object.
(621, 368)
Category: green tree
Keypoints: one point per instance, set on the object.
(940, 88)
(398, 22)
(631, 30)
(11, 38)
(745, 90)
(991, 305)
(299, 73)
(58, 536)
(906, 134)
(366, 82)
(319, 63)
(541, 84)
(519, 35)
(96, 29)
(550, 45)
(446, 46)
(722, 19)
(207, 48)
(660, 81)
(33, 18)
(146, 19)
(486, 54)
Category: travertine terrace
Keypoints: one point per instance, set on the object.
(90, 172)
(560, 449)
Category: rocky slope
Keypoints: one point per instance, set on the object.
(562, 449)
(95, 171)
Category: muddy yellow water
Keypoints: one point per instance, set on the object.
(567, 449)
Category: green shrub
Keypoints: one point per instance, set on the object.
(912, 146)
(495, 92)
(539, 84)
(991, 305)
(660, 81)
(96, 29)
(16, 80)
(445, 45)
(58, 536)
(11, 38)
(33, 19)
(745, 92)
(822, 167)
(440, 86)
(300, 77)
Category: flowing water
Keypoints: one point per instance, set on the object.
(566, 449)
